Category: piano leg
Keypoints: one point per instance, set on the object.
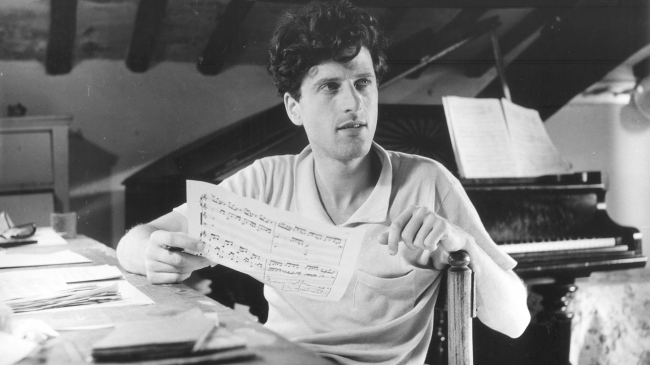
(546, 341)
(437, 353)
(554, 317)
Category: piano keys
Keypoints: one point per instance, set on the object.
(557, 246)
(555, 227)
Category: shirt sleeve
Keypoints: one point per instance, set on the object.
(247, 182)
(459, 210)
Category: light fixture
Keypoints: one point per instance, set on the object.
(641, 98)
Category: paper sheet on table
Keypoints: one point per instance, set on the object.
(18, 284)
(27, 259)
(27, 283)
(47, 237)
(279, 248)
(130, 296)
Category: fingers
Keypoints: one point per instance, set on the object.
(175, 263)
(396, 228)
(165, 266)
(175, 239)
(439, 232)
(414, 227)
(167, 261)
(421, 229)
(440, 259)
(166, 278)
(428, 224)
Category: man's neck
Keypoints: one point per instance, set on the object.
(344, 186)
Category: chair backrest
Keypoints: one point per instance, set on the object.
(461, 308)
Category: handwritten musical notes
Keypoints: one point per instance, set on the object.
(279, 248)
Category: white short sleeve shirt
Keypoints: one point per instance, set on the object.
(386, 314)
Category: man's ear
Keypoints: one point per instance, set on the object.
(293, 109)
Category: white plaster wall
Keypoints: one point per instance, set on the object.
(136, 118)
(613, 138)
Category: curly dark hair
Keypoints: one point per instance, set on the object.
(321, 31)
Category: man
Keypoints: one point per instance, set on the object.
(326, 60)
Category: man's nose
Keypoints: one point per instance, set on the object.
(351, 98)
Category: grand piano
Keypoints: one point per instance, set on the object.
(556, 227)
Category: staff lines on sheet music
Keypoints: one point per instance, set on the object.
(263, 243)
(311, 278)
(280, 245)
(313, 245)
(222, 247)
(227, 212)
(298, 286)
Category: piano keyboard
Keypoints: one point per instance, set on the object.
(514, 248)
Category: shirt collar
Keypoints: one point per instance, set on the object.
(308, 204)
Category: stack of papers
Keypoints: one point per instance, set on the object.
(62, 288)
(73, 296)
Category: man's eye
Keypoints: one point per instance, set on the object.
(330, 86)
(364, 82)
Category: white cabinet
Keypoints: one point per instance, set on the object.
(34, 167)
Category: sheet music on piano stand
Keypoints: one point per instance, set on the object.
(495, 138)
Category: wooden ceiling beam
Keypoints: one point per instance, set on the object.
(224, 39)
(60, 44)
(146, 31)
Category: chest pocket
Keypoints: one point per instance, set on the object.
(378, 300)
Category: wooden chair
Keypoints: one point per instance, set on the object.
(461, 308)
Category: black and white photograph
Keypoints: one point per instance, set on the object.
(325, 182)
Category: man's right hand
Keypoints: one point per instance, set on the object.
(164, 266)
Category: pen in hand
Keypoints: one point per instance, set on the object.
(181, 250)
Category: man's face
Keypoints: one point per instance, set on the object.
(338, 107)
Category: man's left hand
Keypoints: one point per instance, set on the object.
(421, 229)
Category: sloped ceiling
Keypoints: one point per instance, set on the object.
(552, 49)
(62, 33)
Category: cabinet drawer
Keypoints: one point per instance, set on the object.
(26, 159)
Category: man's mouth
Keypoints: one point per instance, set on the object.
(352, 125)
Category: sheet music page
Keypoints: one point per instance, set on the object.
(535, 152)
(279, 248)
(8, 259)
(480, 137)
(17, 286)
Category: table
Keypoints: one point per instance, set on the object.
(74, 347)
